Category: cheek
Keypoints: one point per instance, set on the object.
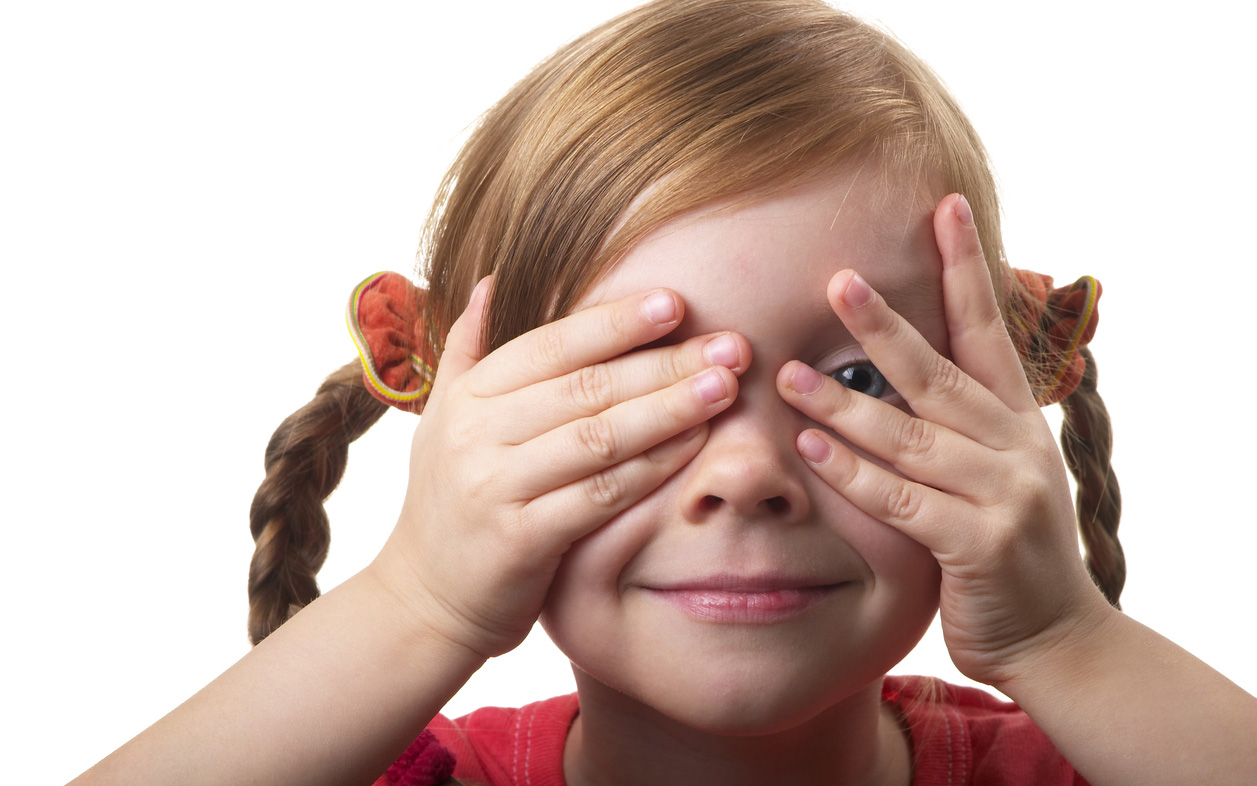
(598, 561)
(900, 588)
(903, 575)
(572, 611)
(898, 563)
(586, 591)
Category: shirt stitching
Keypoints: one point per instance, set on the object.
(962, 748)
(519, 718)
(532, 716)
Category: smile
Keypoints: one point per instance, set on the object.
(745, 603)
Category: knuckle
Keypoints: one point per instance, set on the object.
(605, 489)
(916, 438)
(993, 322)
(597, 437)
(662, 460)
(550, 348)
(1045, 456)
(673, 410)
(946, 379)
(590, 388)
(621, 322)
(889, 327)
(1024, 478)
(674, 365)
(842, 406)
(525, 523)
(902, 502)
(462, 435)
(1038, 489)
(479, 483)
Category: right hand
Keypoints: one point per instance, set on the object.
(522, 452)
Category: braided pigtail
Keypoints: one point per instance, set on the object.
(1051, 328)
(1087, 441)
(305, 460)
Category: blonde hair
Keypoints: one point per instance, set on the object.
(697, 100)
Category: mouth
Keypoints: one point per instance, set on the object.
(745, 601)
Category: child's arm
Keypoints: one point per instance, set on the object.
(332, 696)
(517, 455)
(1127, 706)
(979, 481)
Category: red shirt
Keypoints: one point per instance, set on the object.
(965, 737)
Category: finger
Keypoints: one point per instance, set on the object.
(463, 348)
(917, 448)
(585, 504)
(594, 389)
(940, 522)
(979, 338)
(933, 386)
(589, 336)
(590, 445)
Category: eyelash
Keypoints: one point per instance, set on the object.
(865, 374)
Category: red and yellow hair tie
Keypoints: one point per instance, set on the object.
(1052, 326)
(386, 319)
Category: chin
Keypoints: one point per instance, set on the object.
(738, 695)
(747, 713)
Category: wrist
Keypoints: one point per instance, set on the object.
(1062, 652)
(406, 602)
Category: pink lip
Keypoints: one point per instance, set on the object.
(744, 601)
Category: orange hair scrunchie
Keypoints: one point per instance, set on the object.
(1056, 322)
(385, 318)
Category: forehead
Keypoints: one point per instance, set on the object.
(768, 256)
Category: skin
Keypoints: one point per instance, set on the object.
(571, 465)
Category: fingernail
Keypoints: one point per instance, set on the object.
(963, 211)
(806, 380)
(813, 448)
(710, 387)
(722, 351)
(660, 307)
(858, 292)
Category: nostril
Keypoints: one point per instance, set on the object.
(709, 503)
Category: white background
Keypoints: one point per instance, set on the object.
(188, 191)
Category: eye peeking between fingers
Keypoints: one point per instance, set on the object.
(863, 377)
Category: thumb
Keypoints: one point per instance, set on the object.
(463, 348)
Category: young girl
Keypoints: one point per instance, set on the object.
(726, 380)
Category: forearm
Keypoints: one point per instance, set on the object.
(331, 697)
(1127, 706)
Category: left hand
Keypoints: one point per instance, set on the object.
(977, 477)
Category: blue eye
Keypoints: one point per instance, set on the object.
(862, 378)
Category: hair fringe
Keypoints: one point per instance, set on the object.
(305, 460)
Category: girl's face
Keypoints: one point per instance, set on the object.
(745, 594)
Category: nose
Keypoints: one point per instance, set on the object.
(749, 468)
